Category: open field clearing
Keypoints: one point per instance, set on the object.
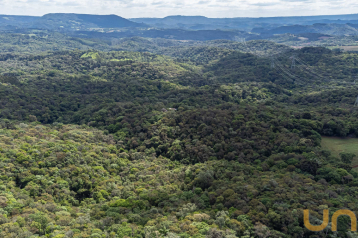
(338, 145)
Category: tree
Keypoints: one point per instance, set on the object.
(347, 157)
(39, 221)
(261, 230)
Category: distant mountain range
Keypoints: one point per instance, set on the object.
(201, 22)
(69, 21)
(185, 27)
(75, 21)
(81, 21)
(16, 20)
(329, 29)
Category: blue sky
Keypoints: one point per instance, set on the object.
(160, 8)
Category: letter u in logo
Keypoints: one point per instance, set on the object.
(344, 212)
(306, 220)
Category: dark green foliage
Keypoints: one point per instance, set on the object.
(347, 157)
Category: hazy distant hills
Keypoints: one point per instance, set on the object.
(69, 22)
(198, 28)
(111, 26)
(82, 21)
(329, 29)
(200, 22)
(174, 34)
(6, 20)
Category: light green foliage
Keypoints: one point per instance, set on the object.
(92, 55)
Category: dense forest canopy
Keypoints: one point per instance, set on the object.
(142, 137)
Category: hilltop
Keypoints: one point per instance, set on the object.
(83, 21)
(68, 21)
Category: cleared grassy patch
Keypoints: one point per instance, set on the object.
(345, 48)
(338, 145)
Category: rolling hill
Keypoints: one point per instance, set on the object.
(83, 21)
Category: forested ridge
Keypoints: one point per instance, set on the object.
(189, 140)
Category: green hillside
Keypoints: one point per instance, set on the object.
(189, 140)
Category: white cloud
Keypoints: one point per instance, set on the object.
(160, 8)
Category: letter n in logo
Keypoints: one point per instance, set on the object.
(344, 212)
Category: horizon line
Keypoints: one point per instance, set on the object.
(181, 16)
